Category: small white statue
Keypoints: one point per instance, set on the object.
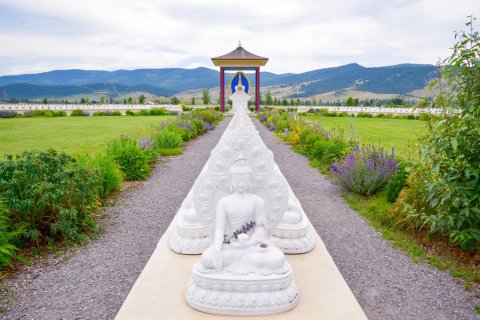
(241, 243)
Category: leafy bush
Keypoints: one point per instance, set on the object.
(58, 114)
(168, 139)
(79, 113)
(397, 182)
(8, 114)
(158, 112)
(364, 115)
(131, 158)
(27, 114)
(129, 113)
(110, 174)
(199, 126)
(185, 108)
(448, 199)
(98, 114)
(207, 115)
(181, 128)
(8, 252)
(116, 113)
(48, 196)
(365, 170)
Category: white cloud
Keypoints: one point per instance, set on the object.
(297, 35)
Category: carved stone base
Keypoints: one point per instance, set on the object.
(249, 295)
(190, 240)
(293, 239)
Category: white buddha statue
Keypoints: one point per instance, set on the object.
(241, 244)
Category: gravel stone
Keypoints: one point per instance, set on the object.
(385, 281)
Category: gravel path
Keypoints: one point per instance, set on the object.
(386, 283)
(94, 282)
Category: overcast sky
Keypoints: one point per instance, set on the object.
(297, 36)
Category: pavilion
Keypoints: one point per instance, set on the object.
(239, 60)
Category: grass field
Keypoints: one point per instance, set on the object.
(74, 135)
(401, 134)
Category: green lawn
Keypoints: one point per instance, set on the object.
(401, 134)
(74, 135)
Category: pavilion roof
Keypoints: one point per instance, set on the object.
(239, 57)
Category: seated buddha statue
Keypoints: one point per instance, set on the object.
(241, 244)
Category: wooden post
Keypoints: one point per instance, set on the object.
(222, 89)
(257, 89)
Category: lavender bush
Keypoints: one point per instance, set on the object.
(365, 170)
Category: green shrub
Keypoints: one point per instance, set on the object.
(185, 108)
(8, 252)
(364, 115)
(116, 113)
(48, 196)
(410, 117)
(208, 115)
(198, 126)
(130, 113)
(131, 158)
(110, 174)
(98, 114)
(143, 112)
(448, 173)
(396, 183)
(343, 114)
(78, 113)
(58, 114)
(28, 114)
(168, 139)
(158, 112)
(182, 129)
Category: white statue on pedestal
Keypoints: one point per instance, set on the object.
(241, 242)
(240, 197)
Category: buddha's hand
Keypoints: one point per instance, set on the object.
(217, 260)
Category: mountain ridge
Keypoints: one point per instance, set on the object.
(395, 79)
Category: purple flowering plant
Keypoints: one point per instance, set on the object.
(365, 170)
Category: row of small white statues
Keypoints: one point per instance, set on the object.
(242, 197)
(101, 107)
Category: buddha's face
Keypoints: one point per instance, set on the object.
(241, 182)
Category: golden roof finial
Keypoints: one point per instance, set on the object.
(239, 44)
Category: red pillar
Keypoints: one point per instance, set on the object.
(222, 89)
(257, 89)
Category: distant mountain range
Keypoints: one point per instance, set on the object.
(398, 79)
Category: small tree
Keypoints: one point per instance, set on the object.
(206, 96)
(130, 100)
(193, 102)
(275, 101)
(268, 98)
(141, 99)
(102, 100)
(175, 100)
(350, 102)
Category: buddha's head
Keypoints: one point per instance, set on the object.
(240, 176)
